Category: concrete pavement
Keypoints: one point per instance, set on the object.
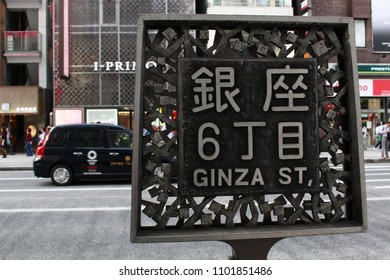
(16, 162)
(22, 162)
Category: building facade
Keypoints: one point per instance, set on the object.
(94, 57)
(74, 60)
(251, 7)
(372, 34)
(25, 73)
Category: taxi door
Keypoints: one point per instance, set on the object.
(120, 152)
(89, 152)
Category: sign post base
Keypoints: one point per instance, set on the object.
(251, 249)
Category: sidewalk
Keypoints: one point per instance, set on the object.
(17, 161)
(22, 162)
(373, 156)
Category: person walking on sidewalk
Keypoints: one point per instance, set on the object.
(385, 132)
(8, 141)
(364, 131)
(28, 146)
(378, 136)
(3, 142)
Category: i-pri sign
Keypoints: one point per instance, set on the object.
(249, 126)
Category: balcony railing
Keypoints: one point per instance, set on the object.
(22, 41)
(251, 3)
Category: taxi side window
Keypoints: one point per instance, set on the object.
(120, 139)
(90, 137)
(57, 138)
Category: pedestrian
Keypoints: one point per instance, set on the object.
(385, 131)
(47, 131)
(364, 131)
(3, 142)
(41, 136)
(28, 146)
(378, 136)
(8, 140)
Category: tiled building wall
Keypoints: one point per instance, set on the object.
(2, 58)
(104, 31)
(331, 8)
(358, 9)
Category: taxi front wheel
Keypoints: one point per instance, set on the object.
(61, 175)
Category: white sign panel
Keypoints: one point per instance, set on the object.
(366, 87)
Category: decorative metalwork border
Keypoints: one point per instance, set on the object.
(159, 213)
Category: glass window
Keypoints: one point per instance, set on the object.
(263, 3)
(360, 33)
(363, 103)
(120, 139)
(90, 137)
(279, 3)
(57, 138)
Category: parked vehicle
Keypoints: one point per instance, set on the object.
(85, 152)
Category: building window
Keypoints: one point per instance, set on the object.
(280, 3)
(251, 3)
(263, 3)
(360, 33)
(243, 3)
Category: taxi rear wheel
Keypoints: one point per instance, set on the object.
(61, 175)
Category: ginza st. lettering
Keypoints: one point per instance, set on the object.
(263, 126)
(204, 98)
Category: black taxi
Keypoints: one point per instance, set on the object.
(85, 152)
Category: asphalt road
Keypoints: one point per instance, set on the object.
(92, 221)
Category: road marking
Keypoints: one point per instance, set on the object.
(369, 166)
(378, 180)
(20, 171)
(101, 209)
(378, 174)
(372, 171)
(65, 190)
(382, 187)
(17, 179)
(81, 209)
(378, 198)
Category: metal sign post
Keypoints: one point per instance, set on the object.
(244, 132)
(251, 249)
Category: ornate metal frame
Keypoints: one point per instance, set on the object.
(160, 213)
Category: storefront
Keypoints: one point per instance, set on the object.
(94, 58)
(123, 116)
(375, 104)
(22, 107)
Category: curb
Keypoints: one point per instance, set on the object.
(376, 160)
(16, 168)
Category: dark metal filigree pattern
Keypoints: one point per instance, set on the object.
(340, 194)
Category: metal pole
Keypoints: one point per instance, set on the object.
(251, 249)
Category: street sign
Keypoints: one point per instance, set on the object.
(246, 128)
(251, 126)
